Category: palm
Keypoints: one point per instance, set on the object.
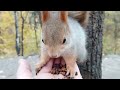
(44, 73)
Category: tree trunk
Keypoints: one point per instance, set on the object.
(92, 68)
(17, 34)
(115, 34)
(22, 32)
(35, 28)
(23, 21)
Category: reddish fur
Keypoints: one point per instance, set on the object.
(45, 16)
(64, 16)
(54, 29)
(81, 16)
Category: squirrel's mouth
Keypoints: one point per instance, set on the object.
(59, 60)
(56, 58)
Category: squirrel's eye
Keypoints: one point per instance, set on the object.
(42, 40)
(64, 41)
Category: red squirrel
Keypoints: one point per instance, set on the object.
(63, 35)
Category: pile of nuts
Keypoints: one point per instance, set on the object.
(60, 69)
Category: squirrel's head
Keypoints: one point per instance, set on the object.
(55, 32)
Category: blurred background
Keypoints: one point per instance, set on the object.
(18, 31)
(20, 36)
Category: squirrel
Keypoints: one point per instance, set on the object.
(63, 35)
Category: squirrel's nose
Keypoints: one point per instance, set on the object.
(54, 55)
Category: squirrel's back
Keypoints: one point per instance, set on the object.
(78, 20)
(78, 38)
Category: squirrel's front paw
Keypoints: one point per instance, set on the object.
(70, 72)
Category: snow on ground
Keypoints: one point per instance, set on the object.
(111, 67)
(8, 67)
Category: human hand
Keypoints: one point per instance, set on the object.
(24, 71)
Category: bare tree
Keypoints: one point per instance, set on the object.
(17, 33)
(115, 33)
(34, 19)
(22, 34)
(35, 27)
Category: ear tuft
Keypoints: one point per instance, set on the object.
(64, 16)
(45, 15)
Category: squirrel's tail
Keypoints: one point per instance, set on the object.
(81, 16)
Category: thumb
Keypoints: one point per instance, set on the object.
(24, 70)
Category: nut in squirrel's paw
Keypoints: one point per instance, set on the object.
(62, 69)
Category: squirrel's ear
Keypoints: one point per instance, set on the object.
(45, 15)
(64, 16)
